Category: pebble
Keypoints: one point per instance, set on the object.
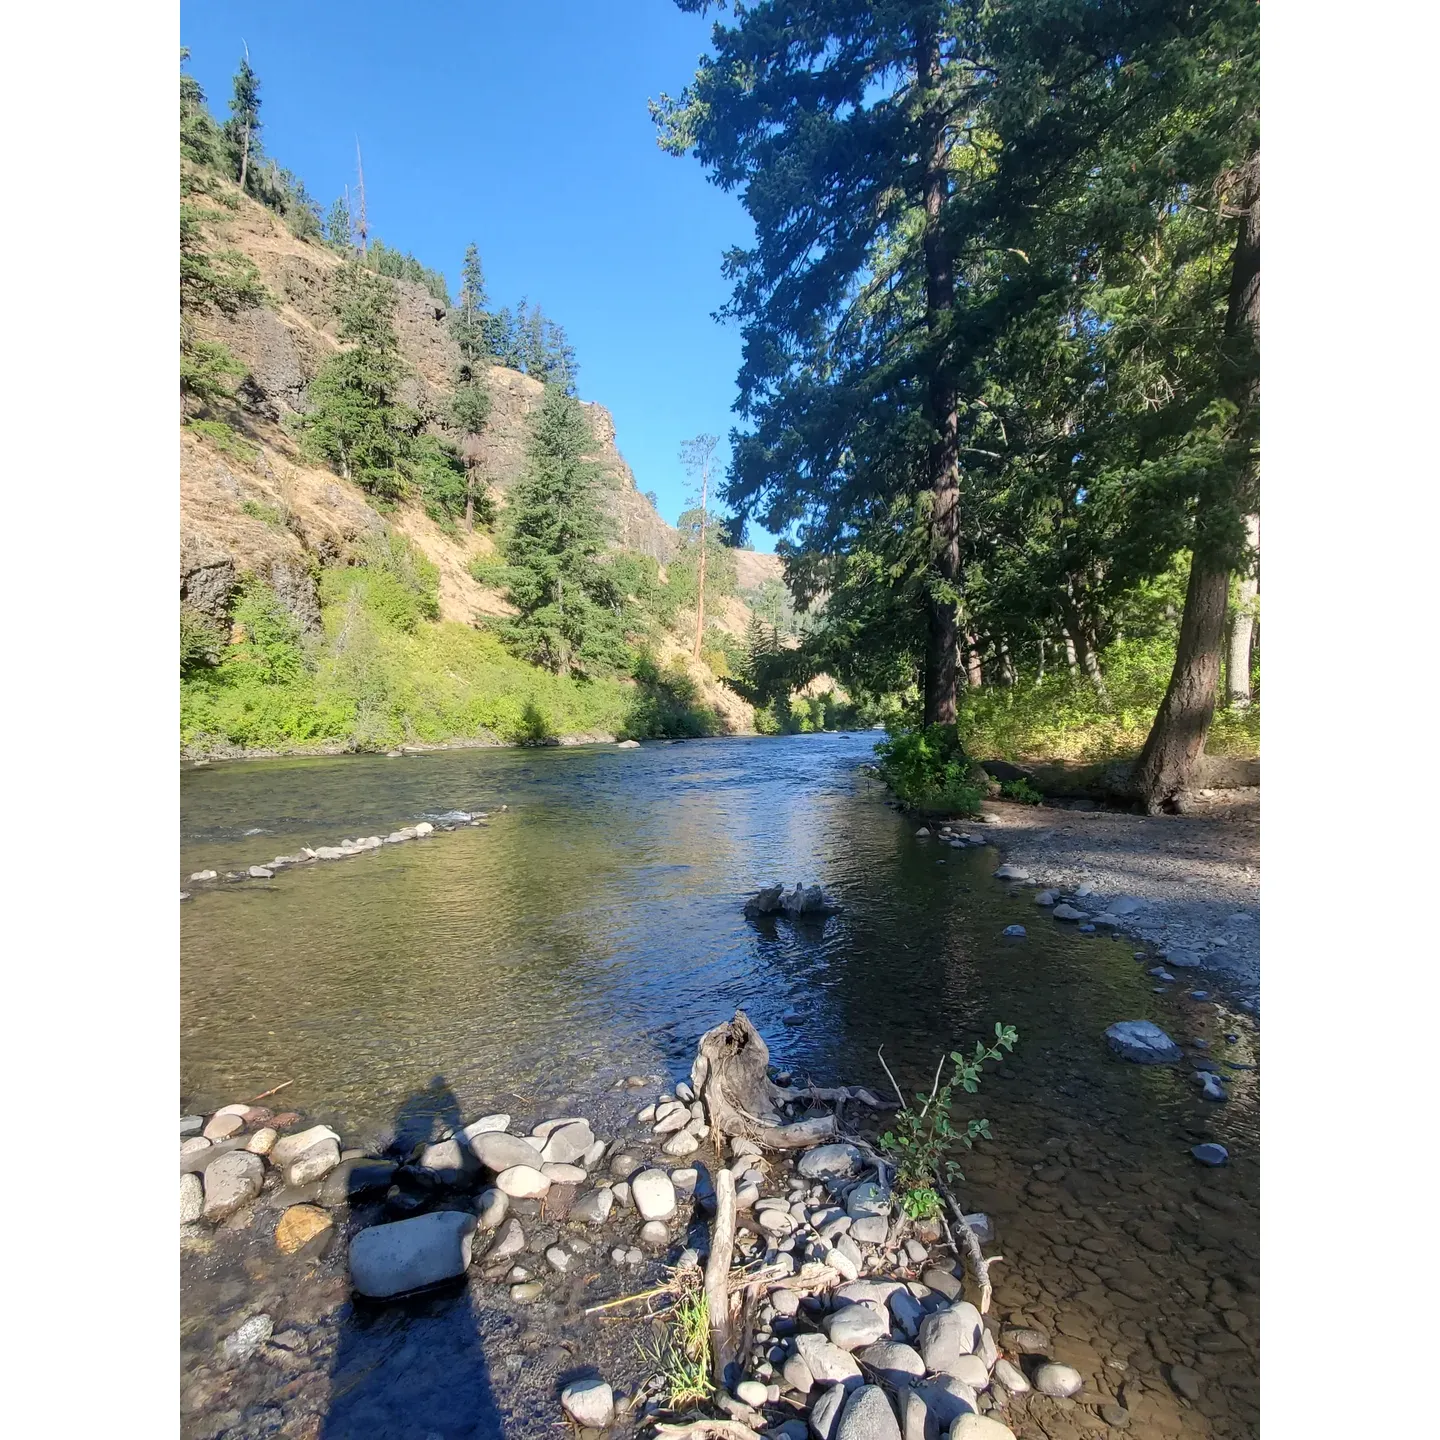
(1012, 1377)
(828, 1363)
(509, 1240)
(825, 1414)
(247, 1338)
(559, 1259)
(895, 1363)
(1067, 912)
(1058, 1381)
(1210, 1086)
(1210, 1154)
(1025, 1340)
(524, 1294)
(752, 1393)
(916, 1252)
(654, 1234)
(594, 1208)
(262, 1142)
(830, 1162)
(494, 1203)
(1015, 931)
(298, 1226)
(856, 1326)
(682, 1144)
(654, 1194)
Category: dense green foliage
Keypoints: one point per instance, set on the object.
(994, 248)
(928, 768)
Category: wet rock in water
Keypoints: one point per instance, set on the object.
(230, 1182)
(792, 1017)
(1012, 872)
(654, 1194)
(828, 1363)
(192, 1198)
(1210, 1153)
(298, 1226)
(980, 1427)
(947, 1335)
(1106, 921)
(1025, 1340)
(764, 902)
(262, 1142)
(1058, 1381)
(1015, 932)
(261, 872)
(982, 1225)
(1068, 912)
(291, 1147)
(191, 1125)
(1161, 973)
(654, 1234)
(522, 1182)
(497, 1151)
(589, 1403)
(895, 1363)
(247, 1338)
(1012, 1377)
(355, 1178)
(594, 1208)
(1143, 1042)
(806, 900)
(567, 1143)
(409, 1254)
(856, 1327)
(315, 1164)
(203, 875)
(1210, 1086)
(1186, 1381)
(825, 1414)
(868, 1416)
(222, 1127)
(922, 833)
(830, 1162)
(1086, 928)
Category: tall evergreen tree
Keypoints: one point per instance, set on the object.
(243, 127)
(469, 322)
(337, 224)
(470, 403)
(555, 534)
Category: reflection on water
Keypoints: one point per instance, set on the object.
(594, 930)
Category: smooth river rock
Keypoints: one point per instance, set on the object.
(653, 1193)
(1143, 1042)
(222, 1127)
(825, 1413)
(868, 1416)
(895, 1363)
(980, 1427)
(566, 1144)
(292, 1147)
(1058, 1381)
(522, 1182)
(409, 1254)
(589, 1403)
(299, 1225)
(828, 1363)
(498, 1151)
(856, 1326)
(192, 1198)
(947, 1335)
(315, 1164)
(230, 1182)
(831, 1162)
(594, 1208)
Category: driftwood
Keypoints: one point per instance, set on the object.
(730, 1074)
(970, 1243)
(708, 1430)
(717, 1276)
(265, 1095)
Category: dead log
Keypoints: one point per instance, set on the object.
(717, 1276)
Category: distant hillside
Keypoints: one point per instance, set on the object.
(254, 509)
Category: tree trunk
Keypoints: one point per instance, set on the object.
(1070, 651)
(1040, 678)
(974, 675)
(469, 501)
(1177, 738)
(1007, 665)
(943, 638)
(700, 603)
(245, 155)
(1242, 625)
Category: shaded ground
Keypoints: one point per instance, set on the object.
(1199, 873)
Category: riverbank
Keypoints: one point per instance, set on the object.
(1198, 875)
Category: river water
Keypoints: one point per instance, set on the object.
(592, 930)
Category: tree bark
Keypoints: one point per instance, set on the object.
(943, 620)
(1242, 625)
(245, 155)
(974, 675)
(1177, 738)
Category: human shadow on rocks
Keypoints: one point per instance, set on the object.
(414, 1367)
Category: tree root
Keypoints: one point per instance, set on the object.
(970, 1245)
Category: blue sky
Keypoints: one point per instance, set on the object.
(523, 127)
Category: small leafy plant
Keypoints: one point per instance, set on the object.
(1022, 790)
(681, 1353)
(924, 1133)
(929, 769)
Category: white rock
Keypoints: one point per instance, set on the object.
(1011, 1376)
(682, 1144)
(315, 1164)
(856, 1326)
(522, 1182)
(485, 1125)
(230, 1182)
(654, 1234)
(409, 1254)
(200, 875)
(424, 828)
(558, 1258)
(1142, 1041)
(752, 1393)
(1058, 1381)
(980, 1427)
(292, 1147)
(653, 1194)
(589, 1403)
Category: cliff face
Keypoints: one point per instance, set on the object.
(254, 504)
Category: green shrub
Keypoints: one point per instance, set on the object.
(224, 439)
(1022, 790)
(929, 768)
(202, 640)
(258, 510)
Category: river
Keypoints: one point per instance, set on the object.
(593, 929)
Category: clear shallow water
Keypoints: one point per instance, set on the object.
(594, 930)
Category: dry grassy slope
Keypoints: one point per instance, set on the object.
(310, 516)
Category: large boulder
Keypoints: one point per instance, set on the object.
(410, 1254)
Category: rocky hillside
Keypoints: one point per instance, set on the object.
(251, 503)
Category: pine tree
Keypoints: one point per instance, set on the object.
(199, 135)
(697, 456)
(560, 366)
(337, 224)
(469, 322)
(555, 534)
(243, 128)
(470, 403)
